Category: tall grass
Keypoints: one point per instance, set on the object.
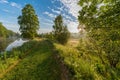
(84, 65)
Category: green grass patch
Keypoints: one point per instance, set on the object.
(38, 64)
(86, 66)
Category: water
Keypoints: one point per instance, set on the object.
(4, 42)
(15, 44)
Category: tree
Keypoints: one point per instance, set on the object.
(61, 32)
(102, 25)
(28, 21)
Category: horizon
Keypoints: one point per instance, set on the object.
(46, 11)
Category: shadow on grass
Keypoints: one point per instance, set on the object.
(38, 65)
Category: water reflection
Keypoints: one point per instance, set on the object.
(4, 42)
(16, 43)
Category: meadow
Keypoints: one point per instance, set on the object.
(36, 60)
(42, 59)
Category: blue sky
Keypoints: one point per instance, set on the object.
(46, 10)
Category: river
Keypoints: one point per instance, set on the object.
(16, 43)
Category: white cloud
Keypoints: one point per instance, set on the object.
(56, 11)
(69, 10)
(4, 21)
(11, 3)
(60, 8)
(53, 1)
(4, 1)
(5, 10)
(15, 5)
(72, 25)
(12, 26)
(72, 6)
(47, 24)
(50, 14)
(67, 16)
(46, 20)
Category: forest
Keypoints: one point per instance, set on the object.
(60, 54)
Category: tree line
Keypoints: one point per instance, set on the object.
(29, 25)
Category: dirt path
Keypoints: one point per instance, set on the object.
(9, 69)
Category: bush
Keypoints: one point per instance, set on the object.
(63, 37)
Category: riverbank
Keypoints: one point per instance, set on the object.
(4, 42)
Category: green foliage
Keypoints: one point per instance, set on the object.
(4, 43)
(6, 37)
(100, 68)
(87, 62)
(6, 60)
(4, 55)
(49, 36)
(28, 21)
(61, 32)
(102, 26)
(4, 33)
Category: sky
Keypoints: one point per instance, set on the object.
(46, 10)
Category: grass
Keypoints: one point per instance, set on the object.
(73, 42)
(6, 62)
(37, 60)
(38, 64)
(86, 66)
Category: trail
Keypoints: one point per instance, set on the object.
(9, 69)
(39, 64)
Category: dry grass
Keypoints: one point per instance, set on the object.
(73, 42)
